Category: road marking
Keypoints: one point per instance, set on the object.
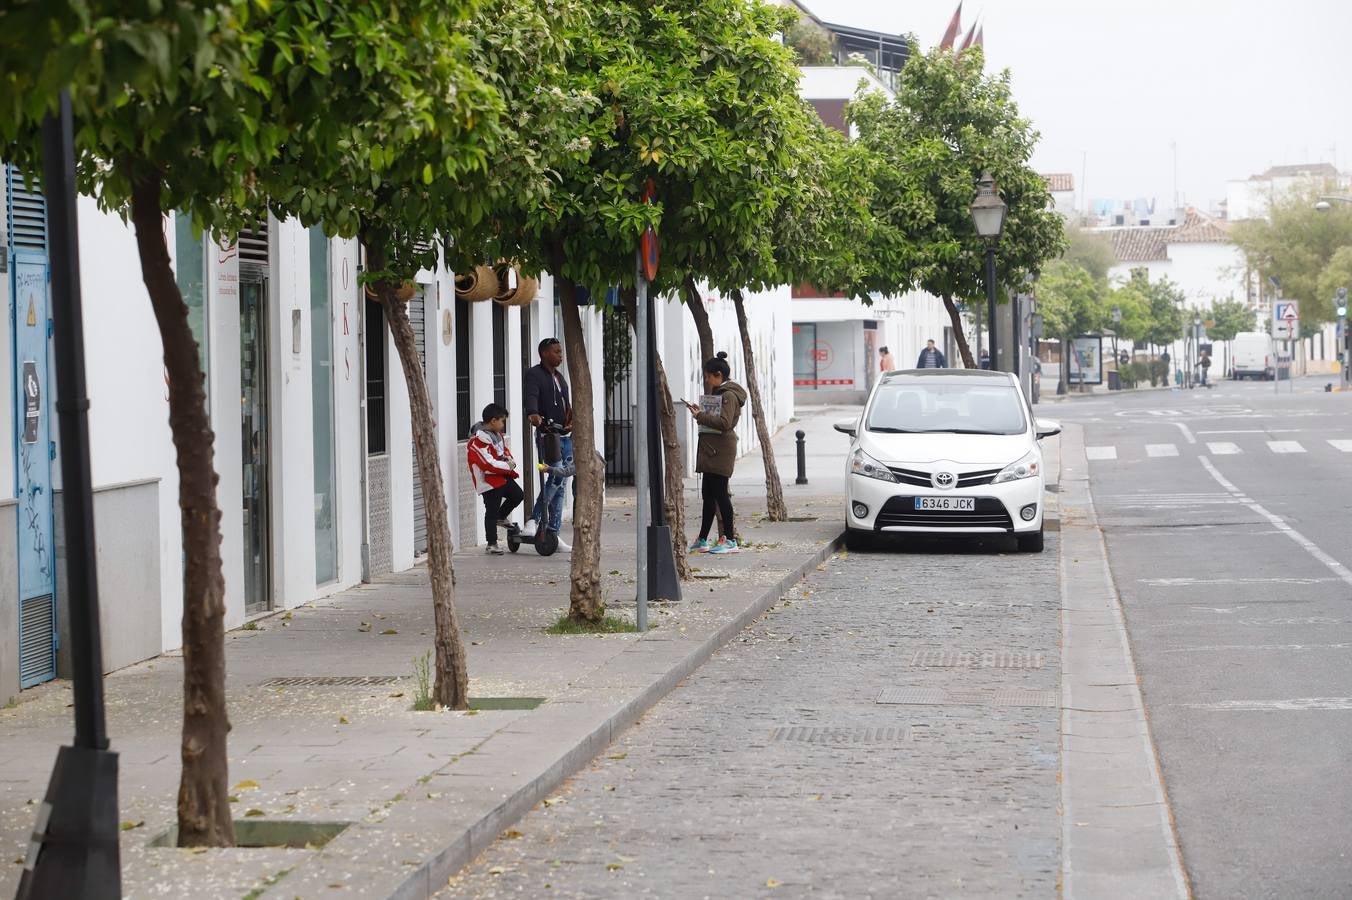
(1279, 523)
(1295, 704)
(1223, 448)
(1161, 450)
(1345, 446)
(1285, 447)
(1183, 582)
(1256, 431)
(1100, 452)
(1187, 432)
(1227, 647)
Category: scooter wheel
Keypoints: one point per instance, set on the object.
(513, 540)
(546, 544)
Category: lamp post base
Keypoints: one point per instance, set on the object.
(663, 583)
(75, 851)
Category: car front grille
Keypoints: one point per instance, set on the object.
(923, 479)
(900, 512)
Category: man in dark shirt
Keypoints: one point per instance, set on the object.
(931, 357)
(549, 407)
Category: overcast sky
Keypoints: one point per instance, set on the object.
(1238, 85)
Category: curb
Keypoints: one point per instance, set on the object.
(431, 875)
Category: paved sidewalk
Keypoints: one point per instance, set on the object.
(425, 791)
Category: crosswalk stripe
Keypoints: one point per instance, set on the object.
(1345, 446)
(1100, 452)
(1223, 448)
(1161, 450)
(1285, 447)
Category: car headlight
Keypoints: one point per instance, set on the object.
(1028, 467)
(863, 464)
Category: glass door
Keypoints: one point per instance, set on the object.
(322, 379)
(253, 355)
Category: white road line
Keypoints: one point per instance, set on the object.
(1279, 523)
(1294, 704)
(1100, 452)
(1345, 446)
(1233, 647)
(1256, 431)
(1187, 432)
(1161, 450)
(1223, 448)
(1285, 447)
(1183, 582)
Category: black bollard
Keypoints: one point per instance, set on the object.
(802, 459)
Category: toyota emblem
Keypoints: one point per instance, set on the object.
(944, 479)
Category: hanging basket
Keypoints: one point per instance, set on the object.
(480, 283)
(404, 292)
(523, 293)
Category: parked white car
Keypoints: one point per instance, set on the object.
(1251, 356)
(946, 451)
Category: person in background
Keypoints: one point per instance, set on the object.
(985, 361)
(493, 473)
(931, 357)
(886, 363)
(1206, 365)
(717, 419)
(549, 407)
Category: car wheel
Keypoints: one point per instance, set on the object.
(1031, 543)
(859, 540)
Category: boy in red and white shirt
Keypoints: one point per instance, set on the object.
(493, 472)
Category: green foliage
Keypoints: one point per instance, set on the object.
(949, 123)
(566, 624)
(1337, 274)
(1070, 300)
(617, 347)
(1091, 250)
(1229, 318)
(1166, 307)
(811, 44)
(1298, 244)
(1133, 301)
(422, 675)
(168, 89)
(1134, 373)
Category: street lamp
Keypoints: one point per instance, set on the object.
(1326, 203)
(988, 215)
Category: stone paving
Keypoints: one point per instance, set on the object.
(774, 771)
(414, 784)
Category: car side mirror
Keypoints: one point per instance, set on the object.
(1046, 429)
(848, 426)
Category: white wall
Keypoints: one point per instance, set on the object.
(836, 82)
(349, 414)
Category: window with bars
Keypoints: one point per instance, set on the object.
(464, 417)
(375, 378)
(500, 355)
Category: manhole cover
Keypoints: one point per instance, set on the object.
(331, 680)
(813, 734)
(924, 696)
(978, 659)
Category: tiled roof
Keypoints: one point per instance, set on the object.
(1139, 244)
(1198, 229)
(1059, 181)
(1323, 170)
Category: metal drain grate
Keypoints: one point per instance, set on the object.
(979, 659)
(910, 696)
(810, 734)
(332, 680)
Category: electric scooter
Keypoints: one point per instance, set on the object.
(546, 542)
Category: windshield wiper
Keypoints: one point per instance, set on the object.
(955, 431)
(887, 429)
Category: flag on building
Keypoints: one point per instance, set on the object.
(954, 28)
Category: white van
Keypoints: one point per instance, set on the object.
(1251, 356)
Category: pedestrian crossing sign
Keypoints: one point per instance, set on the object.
(1288, 311)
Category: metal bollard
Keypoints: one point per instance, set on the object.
(802, 459)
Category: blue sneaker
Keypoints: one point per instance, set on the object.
(727, 545)
(701, 546)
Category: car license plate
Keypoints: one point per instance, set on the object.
(960, 504)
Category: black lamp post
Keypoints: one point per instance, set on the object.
(988, 215)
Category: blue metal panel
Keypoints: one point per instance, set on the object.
(29, 316)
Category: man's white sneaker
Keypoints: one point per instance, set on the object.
(564, 546)
(528, 529)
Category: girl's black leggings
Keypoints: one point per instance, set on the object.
(716, 499)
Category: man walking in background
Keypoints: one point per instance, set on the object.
(931, 357)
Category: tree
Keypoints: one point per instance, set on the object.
(1166, 308)
(404, 137)
(1337, 274)
(1229, 318)
(1091, 250)
(1297, 243)
(949, 123)
(812, 44)
(1071, 303)
(167, 102)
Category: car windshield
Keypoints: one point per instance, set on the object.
(917, 408)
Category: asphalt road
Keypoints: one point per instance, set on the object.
(1226, 519)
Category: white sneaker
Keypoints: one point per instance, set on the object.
(564, 546)
(528, 529)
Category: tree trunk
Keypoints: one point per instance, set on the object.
(701, 316)
(451, 689)
(673, 461)
(585, 603)
(956, 318)
(775, 509)
(203, 788)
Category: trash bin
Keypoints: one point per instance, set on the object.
(1114, 381)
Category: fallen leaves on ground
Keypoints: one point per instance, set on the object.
(128, 826)
(342, 720)
(511, 834)
(771, 883)
(254, 814)
(247, 784)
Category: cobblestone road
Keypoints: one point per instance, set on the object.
(774, 771)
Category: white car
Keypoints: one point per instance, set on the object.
(945, 451)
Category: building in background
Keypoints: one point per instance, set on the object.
(1062, 187)
(1253, 197)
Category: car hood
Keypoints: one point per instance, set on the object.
(962, 449)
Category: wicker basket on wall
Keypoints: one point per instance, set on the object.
(478, 284)
(523, 294)
(404, 292)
